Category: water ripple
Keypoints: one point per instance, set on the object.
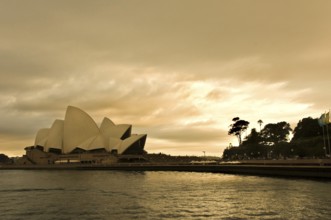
(159, 195)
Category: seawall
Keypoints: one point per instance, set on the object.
(323, 172)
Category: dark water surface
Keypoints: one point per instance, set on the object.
(159, 195)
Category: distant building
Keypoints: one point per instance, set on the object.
(78, 139)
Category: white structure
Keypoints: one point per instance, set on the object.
(78, 131)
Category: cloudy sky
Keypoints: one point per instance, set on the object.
(178, 70)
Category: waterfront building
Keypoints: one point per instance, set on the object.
(78, 139)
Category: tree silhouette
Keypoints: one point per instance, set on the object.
(260, 122)
(252, 138)
(307, 141)
(237, 128)
(4, 159)
(273, 134)
(307, 128)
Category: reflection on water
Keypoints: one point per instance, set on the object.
(159, 195)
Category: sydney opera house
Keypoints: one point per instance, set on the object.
(78, 139)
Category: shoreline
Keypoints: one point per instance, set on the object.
(300, 171)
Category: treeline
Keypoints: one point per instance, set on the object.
(273, 142)
(4, 159)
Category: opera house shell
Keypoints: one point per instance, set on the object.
(78, 132)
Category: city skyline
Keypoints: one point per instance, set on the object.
(178, 70)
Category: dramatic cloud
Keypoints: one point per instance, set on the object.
(177, 70)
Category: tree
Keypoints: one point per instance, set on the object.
(260, 122)
(4, 159)
(252, 138)
(306, 128)
(238, 127)
(273, 134)
(308, 139)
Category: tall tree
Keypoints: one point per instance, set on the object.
(238, 127)
(307, 128)
(260, 122)
(273, 134)
(252, 138)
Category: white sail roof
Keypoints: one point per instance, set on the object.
(85, 144)
(128, 142)
(106, 127)
(78, 130)
(55, 136)
(114, 143)
(78, 127)
(41, 137)
(98, 142)
(109, 129)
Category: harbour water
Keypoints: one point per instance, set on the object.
(70, 194)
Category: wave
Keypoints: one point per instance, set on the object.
(32, 190)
